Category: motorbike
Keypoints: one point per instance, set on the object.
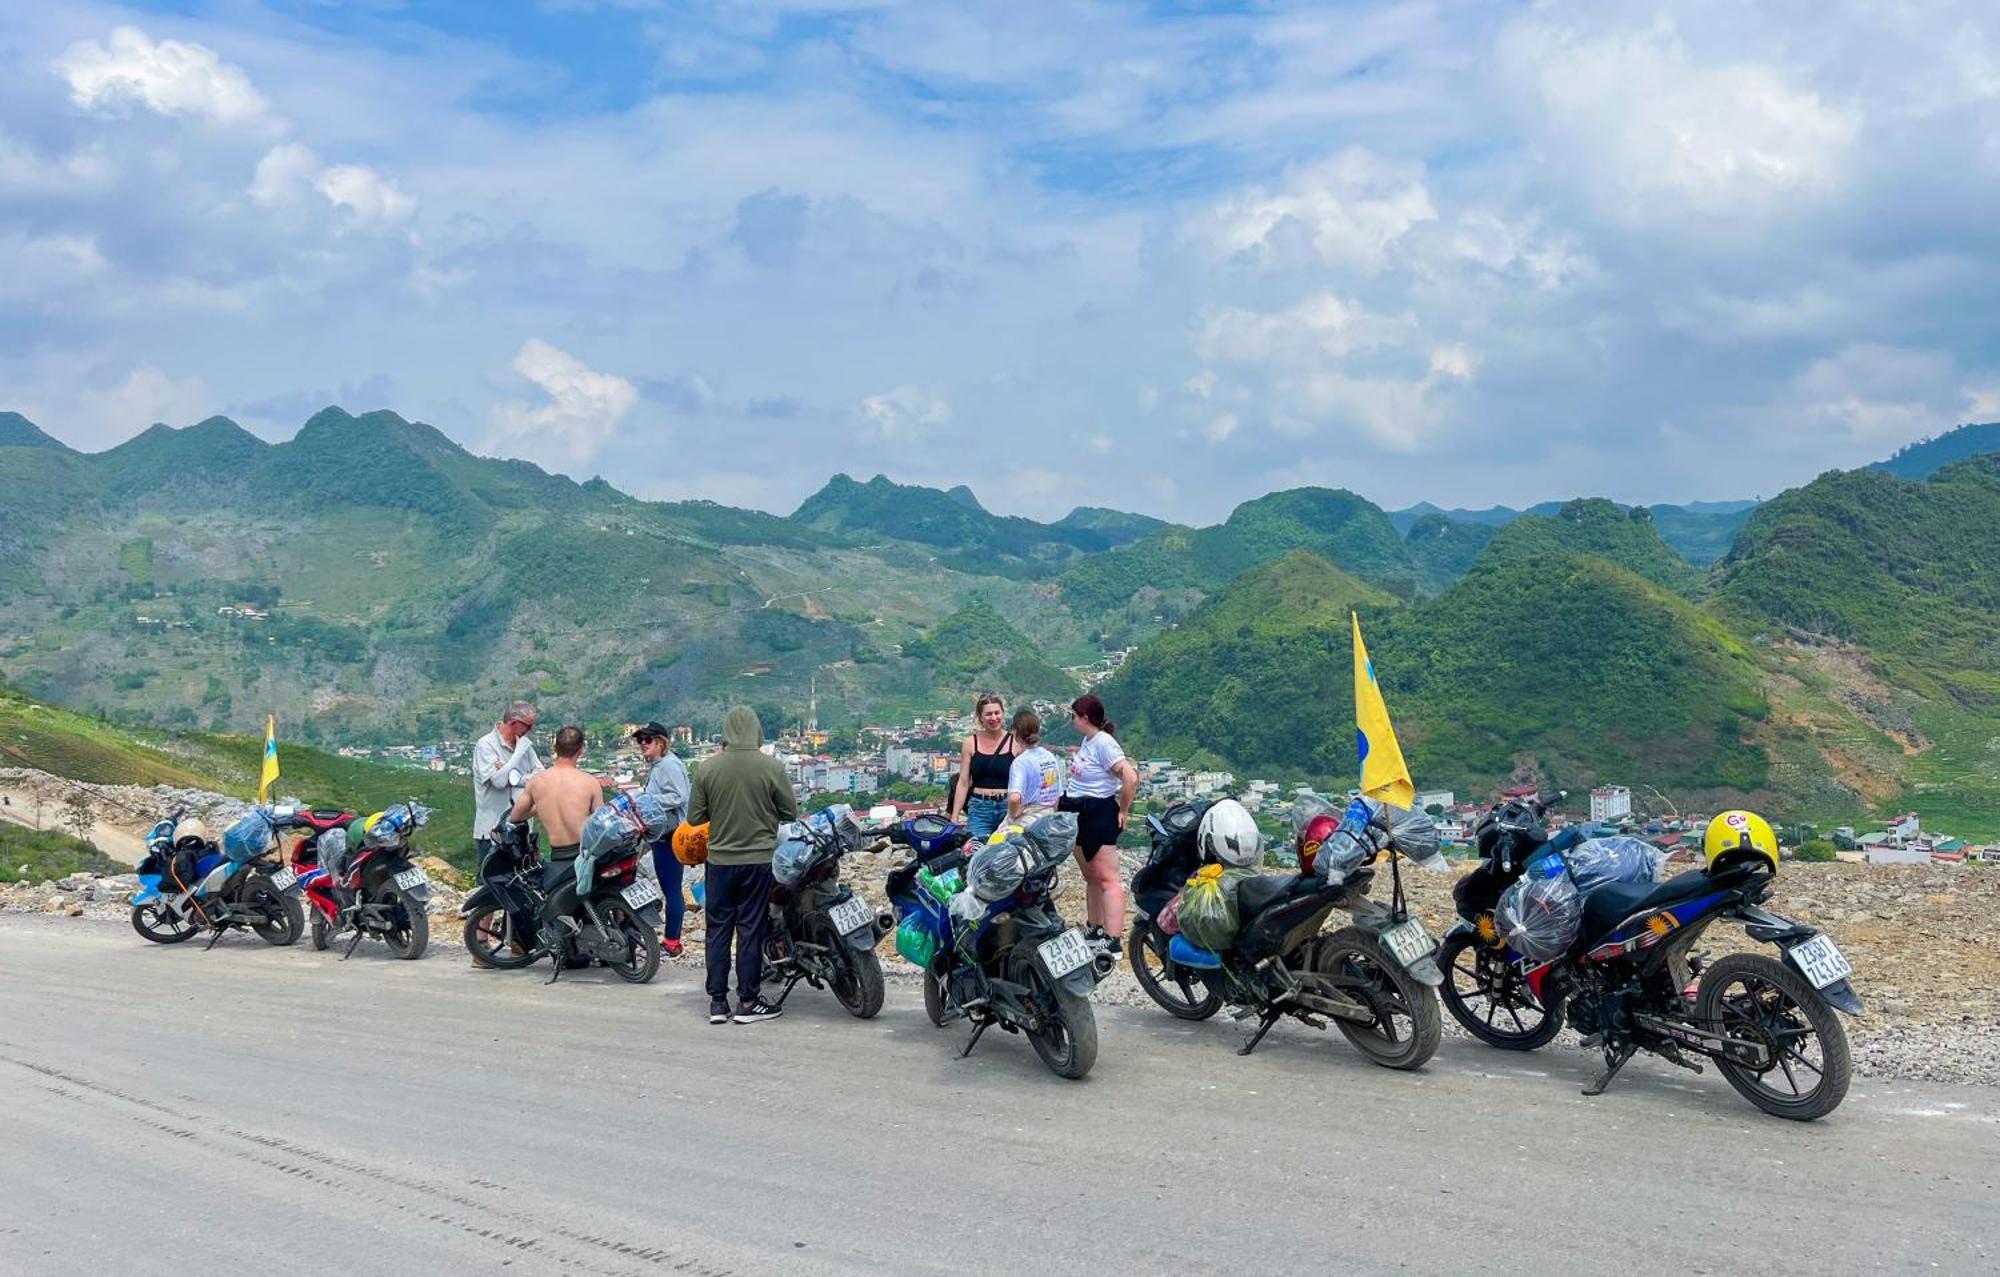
(185, 888)
(1375, 979)
(823, 931)
(998, 950)
(616, 921)
(374, 889)
(1632, 981)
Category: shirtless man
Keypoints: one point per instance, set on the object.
(561, 797)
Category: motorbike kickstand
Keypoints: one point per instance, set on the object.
(353, 944)
(791, 982)
(1611, 1068)
(974, 1041)
(1270, 1018)
(214, 935)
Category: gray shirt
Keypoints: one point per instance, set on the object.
(669, 781)
(492, 794)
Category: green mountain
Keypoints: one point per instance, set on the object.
(976, 650)
(1700, 531)
(1923, 459)
(17, 431)
(1592, 525)
(1117, 527)
(1560, 665)
(1444, 547)
(975, 539)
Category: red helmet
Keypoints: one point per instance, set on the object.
(1318, 831)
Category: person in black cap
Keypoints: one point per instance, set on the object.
(668, 779)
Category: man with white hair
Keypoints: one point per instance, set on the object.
(502, 761)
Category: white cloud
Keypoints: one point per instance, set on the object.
(169, 78)
(1654, 132)
(286, 171)
(106, 414)
(1875, 396)
(1348, 209)
(906, 414)
(1322, 327)
(371, 201)
(578, 416)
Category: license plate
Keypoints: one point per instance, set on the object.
(851, 914)
(1065, 953)
(642, 893)
(1408, 942)
(1822, 961)
(285, 879)
(412, 878)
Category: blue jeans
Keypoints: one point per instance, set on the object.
(670, 871)
(984, 815)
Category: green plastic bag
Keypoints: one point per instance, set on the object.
(915, 941)
(1208, 913)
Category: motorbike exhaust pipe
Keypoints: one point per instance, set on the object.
(1103, 965)
(885, 922)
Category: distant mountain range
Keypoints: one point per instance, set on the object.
(370, 579)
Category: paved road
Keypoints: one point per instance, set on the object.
(164, 1110)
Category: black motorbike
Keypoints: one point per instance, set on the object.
(1374, 979)
(1485, 988)
(1631, 981)
(823, 931)
(187, 885)
(616, 922)
(1003, 953)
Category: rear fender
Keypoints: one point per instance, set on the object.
(483, 897)
(650, 914)
(1376, 918)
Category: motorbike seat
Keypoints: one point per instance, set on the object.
(1260, 893)
(1607, 906)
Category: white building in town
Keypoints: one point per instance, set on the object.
(1610, 803)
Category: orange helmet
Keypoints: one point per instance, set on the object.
(691, 844)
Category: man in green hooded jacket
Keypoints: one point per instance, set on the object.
(743, 796)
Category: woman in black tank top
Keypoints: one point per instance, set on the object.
(980, 797)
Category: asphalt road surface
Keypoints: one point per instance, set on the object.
(165, 1110)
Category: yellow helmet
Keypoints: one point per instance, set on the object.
(1735, 835)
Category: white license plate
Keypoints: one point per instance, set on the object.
(412, 878)
(1822, 961)
(1408, 942)
(642, 893)
(851, 914)
(285, 879)
(1065, 953)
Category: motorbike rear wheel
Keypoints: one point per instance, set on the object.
(490, 936)
(1749, 995)
(408, 940)
(1488, 997)
(1407, 1023)
(322, 934)
(284, 920)
(857, 973)
(1067, 1039)
(642, 943)
(1180, 994)
(157, 923)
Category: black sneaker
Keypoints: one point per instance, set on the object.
(757, 1012)
(718, 1013)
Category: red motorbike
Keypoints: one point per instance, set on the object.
(364, 879)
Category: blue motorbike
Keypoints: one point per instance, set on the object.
(187, 885)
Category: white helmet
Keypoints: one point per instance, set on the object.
(1229, 836)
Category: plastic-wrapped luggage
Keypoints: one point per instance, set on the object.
(1208, 912)
(1540, 915)
(998, 869)
(1621, 858)
(1052, 837)
(248, 838)
(331, 849)
(617, 827)
(1351, 846)
(795, 851)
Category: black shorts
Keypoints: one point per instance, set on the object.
(1096, 821)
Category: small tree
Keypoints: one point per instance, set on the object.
(1815, 851)
(77, 815)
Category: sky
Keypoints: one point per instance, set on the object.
(1163, 257)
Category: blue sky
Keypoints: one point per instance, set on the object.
(1160, 256)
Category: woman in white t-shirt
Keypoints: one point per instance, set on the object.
(1099, 790)
(1034, 782)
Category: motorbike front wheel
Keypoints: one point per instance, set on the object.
(410, 932)
(1747, 995)
(283, 918)
(490, 937)
(933, 997)
(1180, 993)
(155, 921)
(1067, 1037)
(1489, 998)
(1407, 1023)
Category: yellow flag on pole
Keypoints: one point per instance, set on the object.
(270, 774)
(1384, 774)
